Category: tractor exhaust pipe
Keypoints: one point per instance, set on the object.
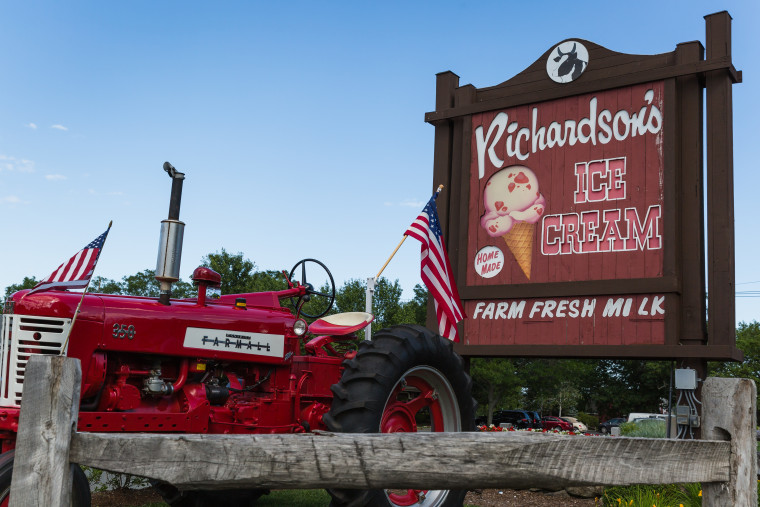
(170, 241)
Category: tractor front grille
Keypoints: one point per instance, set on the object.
(23, 337)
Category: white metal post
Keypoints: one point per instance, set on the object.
(368, 306)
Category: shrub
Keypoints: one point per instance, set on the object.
(592, 421)
(107, 481)
(647, 428)
(687, 495)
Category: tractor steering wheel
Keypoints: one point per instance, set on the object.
(323, 300)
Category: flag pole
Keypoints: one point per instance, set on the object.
(79, 305)
(391, 257)
(438, 191)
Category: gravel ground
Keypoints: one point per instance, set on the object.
(126, 497)
(480, 498)
(525, 498)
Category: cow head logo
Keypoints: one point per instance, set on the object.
(567, 61)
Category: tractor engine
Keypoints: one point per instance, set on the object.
(221, 366)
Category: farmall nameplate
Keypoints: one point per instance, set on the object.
(242, 342)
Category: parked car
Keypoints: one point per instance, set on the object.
(536, 419)
(517, 418)
(645, 415)
(606, 426)
(577, 425)
(551, 422)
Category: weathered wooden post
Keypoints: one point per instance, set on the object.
(42, 475)
(729, 413)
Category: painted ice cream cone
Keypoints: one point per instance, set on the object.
(520, 243)
(513, 206)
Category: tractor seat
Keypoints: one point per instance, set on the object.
(341, 323)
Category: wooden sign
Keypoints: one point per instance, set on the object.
(573, 206)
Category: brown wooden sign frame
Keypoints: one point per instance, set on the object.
(697, 324)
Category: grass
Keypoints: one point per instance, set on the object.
(296, 498)
(667, 495)
(648, 428)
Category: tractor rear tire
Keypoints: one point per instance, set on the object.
(401, 363)
(80, 494)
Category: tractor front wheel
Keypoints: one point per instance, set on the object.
(407, 379)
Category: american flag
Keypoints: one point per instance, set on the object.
(436, 270)
(76, 272)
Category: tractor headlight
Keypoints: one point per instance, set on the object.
(300, 327)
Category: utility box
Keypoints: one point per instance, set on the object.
(686, 379)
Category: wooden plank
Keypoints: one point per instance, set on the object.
(445, 85)
(706, 352)
(720, 186)
(578, 288)
(453, 236)
(691, 199)
(41, 471)
(729, 413)
(718, 64)
(605, 63)
(403, 460)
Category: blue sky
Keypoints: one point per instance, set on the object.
(299, 125)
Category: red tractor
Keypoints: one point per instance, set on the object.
(237, 363)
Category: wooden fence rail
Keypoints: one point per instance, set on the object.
(48, 442)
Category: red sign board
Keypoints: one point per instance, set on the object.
(568, 190)
(564, 191)
(574, 203)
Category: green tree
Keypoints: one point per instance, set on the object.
(182, 289)
(27, 283)
(102, 285)
(414, 311)
(748, 341)
(556, 386)
(566, 396)
(351, 297)
(624, 386)
(495, 383)
(236, 271)
(387, 306)
(386, 303)
(267, 281)
(142, 283)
